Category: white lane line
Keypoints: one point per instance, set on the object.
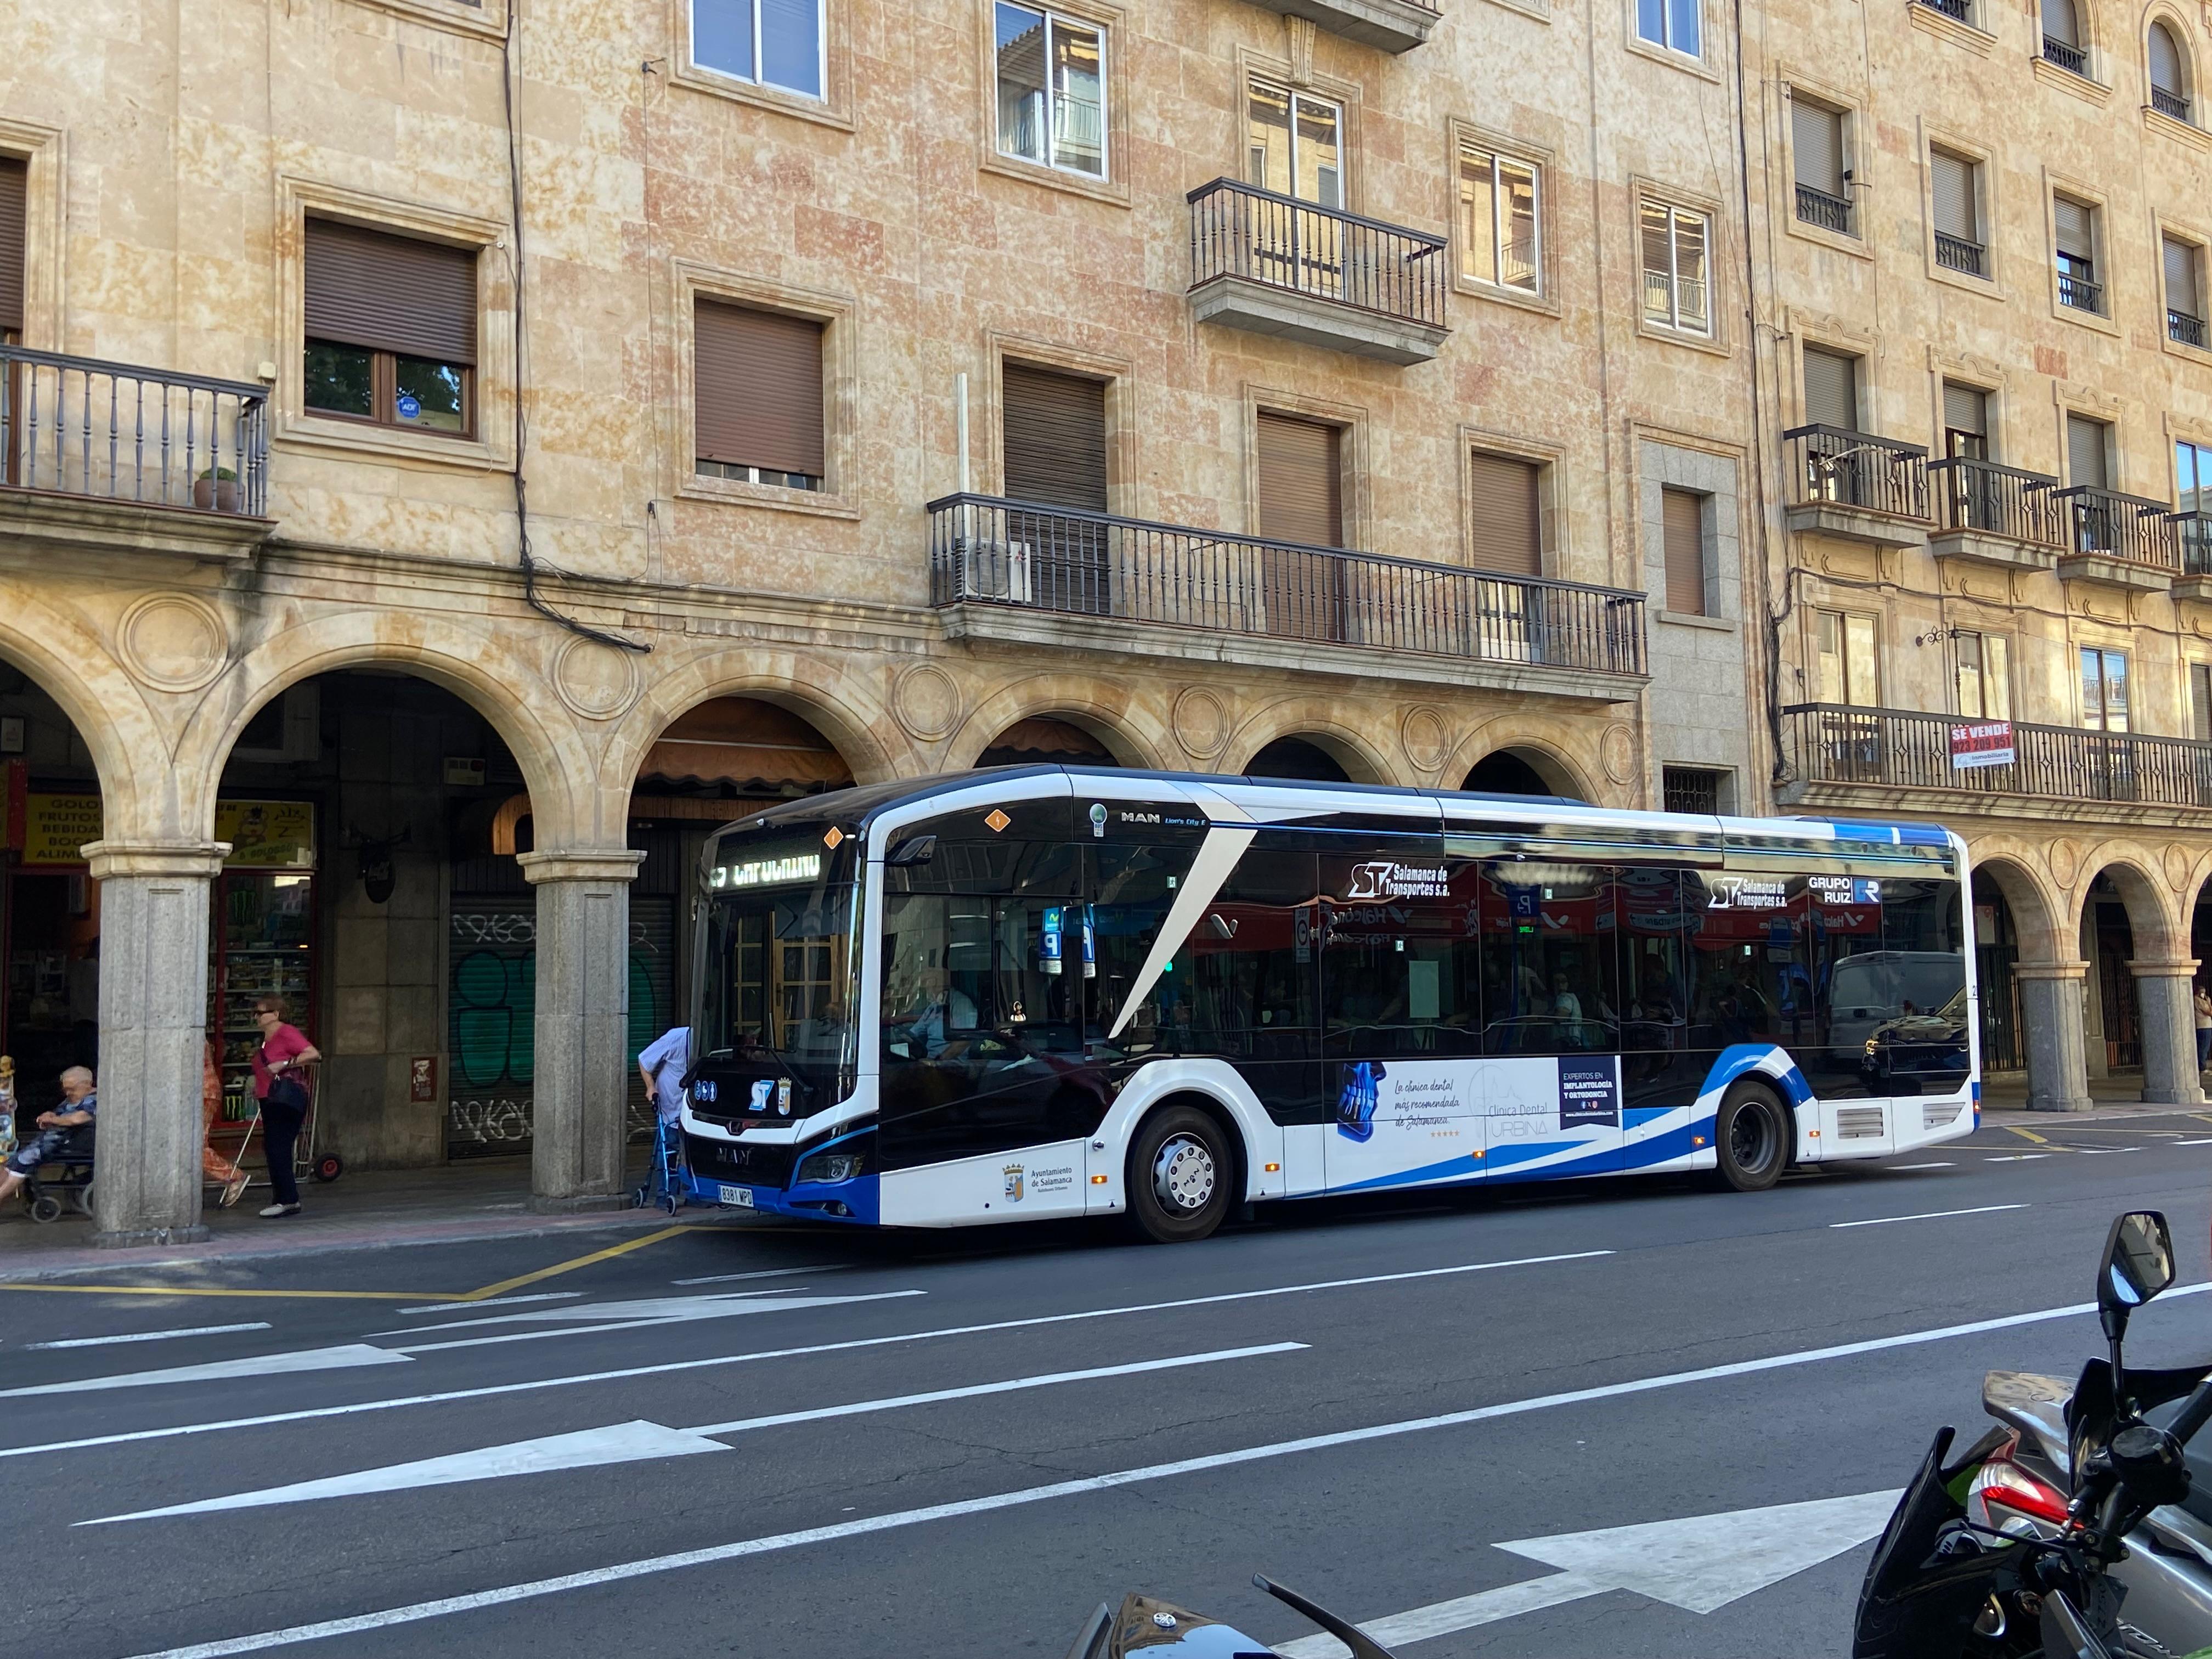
(496, 1301)
(2016, 1158)
(671, 1308)
(630, 1443)
(1894, 1166)
(2206, 1141)
(2105, 1151)
(729, 1307)
(272, 1365)
(766, 1273)
(505, 1595)
(1931, 1215)
(667, 1366)
(149, 1336)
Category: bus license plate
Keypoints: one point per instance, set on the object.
(740, 1196)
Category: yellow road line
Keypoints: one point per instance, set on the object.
(559, 1268)
(194, 1290)
(2028, 1134)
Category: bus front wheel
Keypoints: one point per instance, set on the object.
(1754, 1138)
(1179, 1177)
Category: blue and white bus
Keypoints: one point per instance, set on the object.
(1060, 990)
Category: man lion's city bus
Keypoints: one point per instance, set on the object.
(1060, 991)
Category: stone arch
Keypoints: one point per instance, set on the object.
(2035, 907)
(2161, 14)
(1547, 759)
(2157, 932)
(1103, 709)
(1320, 723)
(65, 656)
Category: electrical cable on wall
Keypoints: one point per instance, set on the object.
(521, 359)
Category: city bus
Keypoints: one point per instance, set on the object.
(1058, 991)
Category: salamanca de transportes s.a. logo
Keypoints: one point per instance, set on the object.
(1386, 878)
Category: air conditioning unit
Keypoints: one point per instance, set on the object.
(999, 571)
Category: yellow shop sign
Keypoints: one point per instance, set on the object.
(264, 834)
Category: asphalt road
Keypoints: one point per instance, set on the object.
(749, 1451)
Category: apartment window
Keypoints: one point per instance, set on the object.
(1504, 515)
(1052, 90)
(2075, 224)
(1295, 144)
(2088, 451)
(2062, 37)
(2169, 77)
(1692, 789)
(2200, 701)
(1954, 191)
(772, 43)
(1053, 430)
(391, 329)
(1816, 149)
(2185, 291)
(2193, 479)
(14, 179)
(1683, 536)
(757, 396)
(1300, 480)
(1497, 216)
(2104, 689)
(1965, 421)
(1845, 658)
(1984, 676)
(1674, 24)
(1832, 389)
(1675, 290)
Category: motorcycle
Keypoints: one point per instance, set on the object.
(1160, 1631)
(2074, 1528)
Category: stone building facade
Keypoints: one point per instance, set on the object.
(1978, 238)
(391, 587)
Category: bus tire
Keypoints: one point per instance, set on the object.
(1754, 1138)
(1179, 1176)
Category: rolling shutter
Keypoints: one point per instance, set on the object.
(1816, 139)
(1682, 524)
(13, 177)
(2180, 261)
(1301, 481)
(391, 293)
(1952, 181)
(1507, 534)
(2165, 60)
(2200, 700)
(2076, 235)
(2085, 452)
(1053, 432)
(757, 389)
(1965, 408)
(1832, 389)
(2058, 23)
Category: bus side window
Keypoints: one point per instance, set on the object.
(1650, 916)
(1248, 963)
(1131, 889)
(1549, 958)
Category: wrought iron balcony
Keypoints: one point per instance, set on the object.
(1816, 207)
(117, 432)
(1904, 748)
(1278, 265)
(2071, 58)
(1958, 10)
(2185, 328)
(1855, 485)
(1394, 25)
(2105, 523)
(1957, 253)
(2077, 291)
(1008, 556)
(1984, 498)
(2174, 104)
(2192, 543)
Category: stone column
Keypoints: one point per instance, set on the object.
(2169, 1030)
(583, 1026)
(2051, 1008)
(154, 903)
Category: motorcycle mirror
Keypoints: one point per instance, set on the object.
(1363, 1645)
(2066, 1633)
(2138, 1264)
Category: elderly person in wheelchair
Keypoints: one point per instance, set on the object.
(65, 1132)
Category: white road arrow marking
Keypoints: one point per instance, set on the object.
(267, 1364)
(1928, 1215)
(1699, 1564)
(641, 1315)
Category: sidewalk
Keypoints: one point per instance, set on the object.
(2004, 1099)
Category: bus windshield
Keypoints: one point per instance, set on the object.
(780, 955)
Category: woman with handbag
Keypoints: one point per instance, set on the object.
(283, 1097)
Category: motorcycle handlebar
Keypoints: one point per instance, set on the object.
(2195, 1414)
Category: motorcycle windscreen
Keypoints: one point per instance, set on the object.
(1910, 1606)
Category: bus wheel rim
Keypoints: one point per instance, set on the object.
(1182, 1174)
(1747, 1138)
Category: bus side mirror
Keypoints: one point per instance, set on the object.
(915, 850)
(2138, 1264)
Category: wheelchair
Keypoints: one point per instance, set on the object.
(60, 1181)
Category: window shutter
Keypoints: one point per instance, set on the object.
(1682, 528)
(1952, 181)
(1507, 534)
(2085, 452)
(1301, 481)
(2180, 261)
(1816, 139)
(2165, 60)
(1965, 408)
(1053, 434)
(2058, 22)
(14, 180)
(757, 389)
(2075, 235)
(391, 293)
(1832, 391)
(1658, 265)
(2200, 700)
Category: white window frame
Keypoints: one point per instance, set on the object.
(1675, 212)
(1469, 150)
(1668, 43)
(1294, 95)
(820, 94)
(1055, 20)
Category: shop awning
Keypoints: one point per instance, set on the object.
(756, 747)
(1043, 740)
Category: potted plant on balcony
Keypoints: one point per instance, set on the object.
(217, 487)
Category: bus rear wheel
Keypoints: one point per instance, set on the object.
(1754, 1138)
(1179, 1177)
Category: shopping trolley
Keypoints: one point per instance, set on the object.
(309, 1158)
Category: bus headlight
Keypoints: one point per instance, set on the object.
(844, 1164)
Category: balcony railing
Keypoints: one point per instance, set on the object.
(1957, 253)
(2080, 292)
(2192, 539)
(1856, 469)
(2174, 104)
(2119, 526)
(988, 551)
(1998, 501)
(74, 426)
(1901, 749)
(1324, 253)
(1961, 10)
(2073, 59)
(1816, 207)
(2188, 330)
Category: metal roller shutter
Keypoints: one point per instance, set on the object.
(2085, 452)
(1832, 389)
(1952, 181)
(757, 389)
(2058, 23)
(2165, 60)
(1301, 481)
(1682, 527)
(1816, 139)
(1052, 428)
(2180, 261)
(391, 293)
(1502, 509)
(1965, 408)
(14, 179)
(2076, 232)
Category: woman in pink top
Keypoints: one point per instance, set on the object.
(283, 1096)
